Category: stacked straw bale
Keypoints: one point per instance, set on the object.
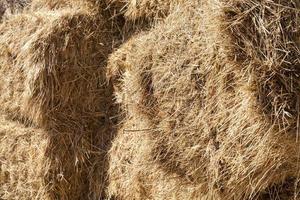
(211, 103)
(22, 161)
(52, 76)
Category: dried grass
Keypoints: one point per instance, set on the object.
(52, 76)
(214, 91)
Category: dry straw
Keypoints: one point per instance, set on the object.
(52, 66)
(10, 7)
(134, 10)
(210, 98)
(22, 161)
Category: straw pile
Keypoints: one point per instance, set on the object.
(210, 99)
(52, 76)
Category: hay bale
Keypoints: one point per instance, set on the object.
(218, 83)
(22, 161)
(52, 76)
(57, 59)
(147, 9)
(134, 174)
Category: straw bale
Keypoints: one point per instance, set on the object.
(218, 82)
(52, 76)
(22, 161)
(135, 175)
(48, 64)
